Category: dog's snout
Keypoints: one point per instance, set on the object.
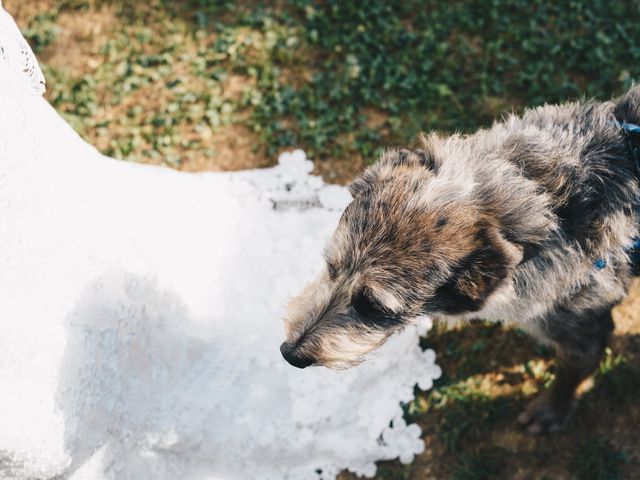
(289, 353)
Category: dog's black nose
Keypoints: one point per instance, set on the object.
(288, 352)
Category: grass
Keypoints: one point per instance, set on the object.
(219, 85)
(619, 378)
(487, 463)
(468, 412)
(332, 77)
(597, 459)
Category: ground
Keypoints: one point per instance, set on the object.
(221, 85)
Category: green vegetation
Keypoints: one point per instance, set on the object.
(469, 413)
(598, 460)
(618, 379)
(336, 78)
(487, 463)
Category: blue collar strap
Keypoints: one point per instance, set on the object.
(601, 263)
(630, 127)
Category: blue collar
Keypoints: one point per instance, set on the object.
(601, 263)
(630, 127)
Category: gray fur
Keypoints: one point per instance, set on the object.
(505, 225)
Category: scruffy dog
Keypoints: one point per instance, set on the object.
(532, 221)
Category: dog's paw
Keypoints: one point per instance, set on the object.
(543, 415)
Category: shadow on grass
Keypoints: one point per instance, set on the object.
(598, 459)
(482, 347)
(471, 433)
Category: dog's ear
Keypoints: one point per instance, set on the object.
(388, 161)
(364, 183)
(405, 157)
(476, 275)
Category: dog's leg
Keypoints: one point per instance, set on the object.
(580, 339)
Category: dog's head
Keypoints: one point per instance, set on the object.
(411, 243)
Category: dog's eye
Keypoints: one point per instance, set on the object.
(372, 312)
(365, 305)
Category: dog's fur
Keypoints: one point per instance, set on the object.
(505, 225)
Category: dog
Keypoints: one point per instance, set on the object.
(533, 221)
